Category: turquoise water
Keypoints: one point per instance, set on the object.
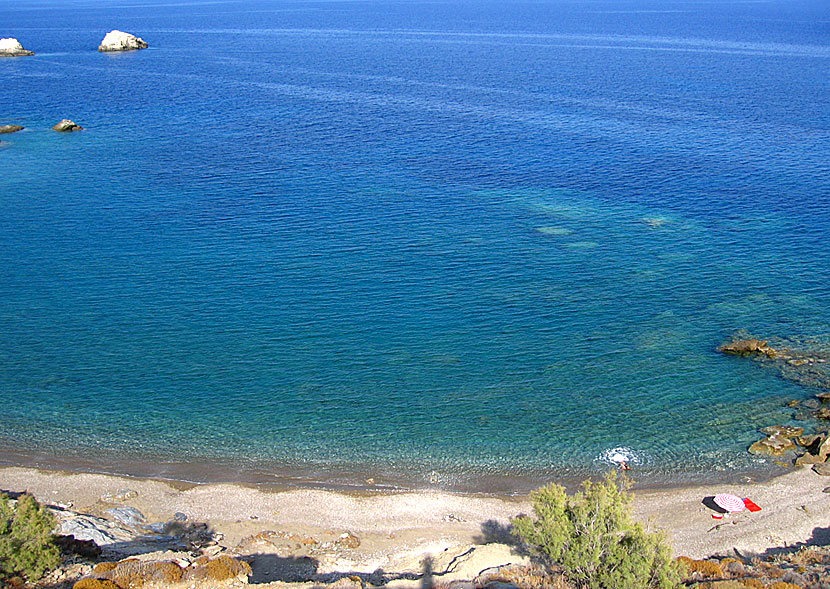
(414, 241)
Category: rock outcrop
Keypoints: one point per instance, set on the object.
(10, 128)
(121, 41)
(774, 445)
(10, 47)
(65, 126)
(747, 347)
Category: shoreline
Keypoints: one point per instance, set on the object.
(391, 523)
(363, 479)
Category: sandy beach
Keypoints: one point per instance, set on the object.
(315, 533)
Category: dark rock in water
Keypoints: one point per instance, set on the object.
(823, 413)
(85, 548)
(806, 362)
(823, 469)
(66, 126)
(786, 431)
(10, 128)
(823, 398)
(775, 445)
(748, 347)
(812, 404)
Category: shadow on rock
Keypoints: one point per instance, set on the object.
(268, 568)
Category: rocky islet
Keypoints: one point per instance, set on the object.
(120, 41)
(11, 47)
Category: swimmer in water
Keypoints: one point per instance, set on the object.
(624, 465)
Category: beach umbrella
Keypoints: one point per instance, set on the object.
(730, 503)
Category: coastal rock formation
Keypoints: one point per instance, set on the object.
(66, 126)
(202, 572)
(823, 469)
(10, 47)
(121, 41)
(775, 445)
(10, 128)
(785, 431)
(805, 361)
(748, 347)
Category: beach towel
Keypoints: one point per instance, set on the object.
(751, 506)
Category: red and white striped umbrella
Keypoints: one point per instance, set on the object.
(731, 503)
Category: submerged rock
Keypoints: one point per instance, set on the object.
(10, 128)
(785, 431)
(748, 347)
(10, 47)
(66, 126)
(121, 41)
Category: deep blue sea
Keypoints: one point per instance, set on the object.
(428, 242)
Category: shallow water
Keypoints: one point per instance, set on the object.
(433, 242)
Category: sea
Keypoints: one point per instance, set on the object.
(393, 244)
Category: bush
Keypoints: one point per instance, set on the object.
(27, 547)
(593, 537)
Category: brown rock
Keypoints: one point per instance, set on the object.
(10, 128)
(748, 347)
(95, 584)
(348, 540)
(66, 126)
(786, 431)
(808, 459)
(775, 445)
(823, 397)
(810, 440)
(823, 413)
(823, 469)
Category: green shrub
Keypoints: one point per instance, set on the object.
(26, 544)
(593, 537)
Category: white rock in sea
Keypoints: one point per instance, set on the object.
(10, 47)
(121, 41)
(66, 126)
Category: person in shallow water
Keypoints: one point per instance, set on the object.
(624, 465)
